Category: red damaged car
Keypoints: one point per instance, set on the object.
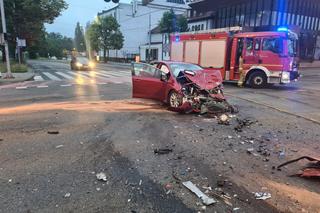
(185, 87)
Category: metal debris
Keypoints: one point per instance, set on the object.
(262, 195)
(162, 151)
(102, 176)
(312, 170)
(193, 188)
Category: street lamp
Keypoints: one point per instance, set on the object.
(4, 28)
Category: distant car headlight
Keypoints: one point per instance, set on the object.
(79, 64)
(92, 64)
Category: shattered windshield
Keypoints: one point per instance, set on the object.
(178, 67)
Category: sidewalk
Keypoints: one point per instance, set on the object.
(315, 64)
(18, 77)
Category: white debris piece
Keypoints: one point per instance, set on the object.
(67, 195)
(59, 146)
(101, 176)
(224, 118)
(262, 195)
(193, 188)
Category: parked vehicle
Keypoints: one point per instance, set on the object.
(184, 87)
(81, 63)
(268, 57)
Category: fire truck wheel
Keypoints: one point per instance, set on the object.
(258, 80)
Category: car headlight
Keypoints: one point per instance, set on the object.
(78, 64)
(92, 64)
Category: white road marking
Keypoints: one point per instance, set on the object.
(43, 86)
(112, 74)
(52, 77)
(38, 78)
(66, 85)
(21, 87)
(78, 75)
(103, 83)
(65, 75)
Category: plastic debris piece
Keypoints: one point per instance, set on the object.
(162, 151)
(193, 188)
(67, 195)
(53, 132)
(102, 176)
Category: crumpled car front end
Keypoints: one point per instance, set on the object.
(202, 92)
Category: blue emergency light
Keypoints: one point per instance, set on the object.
(177, 38)
(283, 29)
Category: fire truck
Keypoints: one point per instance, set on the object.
(255, 58)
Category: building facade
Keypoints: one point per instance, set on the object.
(137, 19)
(301, 16)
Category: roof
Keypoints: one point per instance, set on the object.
(255, 34)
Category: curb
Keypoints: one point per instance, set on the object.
(28, 78)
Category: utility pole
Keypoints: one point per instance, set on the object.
(4, 28)
(149, 56)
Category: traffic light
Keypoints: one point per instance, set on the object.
(114, 1)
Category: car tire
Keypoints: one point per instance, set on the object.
(174, 99)
(258, 80)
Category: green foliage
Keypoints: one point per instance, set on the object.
(104, 34)
(15, 68)
(26, 19)
(170, 23)
(79, 40)
(57, 45)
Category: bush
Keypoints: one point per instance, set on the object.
(15, 68)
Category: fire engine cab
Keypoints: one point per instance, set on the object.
(256, 58)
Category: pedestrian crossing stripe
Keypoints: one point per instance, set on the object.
(50, 76)
(70, 75)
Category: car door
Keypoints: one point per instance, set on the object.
(146, 82)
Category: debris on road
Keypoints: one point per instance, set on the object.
(53, 132)
(59, 146)
(312, 170)
(102, 176)
(224, 120)
(193, 188)
(243, 123)
(162, 151)
(67, 195)
(262, 195)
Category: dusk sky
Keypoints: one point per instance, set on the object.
(82, 11)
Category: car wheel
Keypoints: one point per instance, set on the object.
(174, 99)
(258, 80)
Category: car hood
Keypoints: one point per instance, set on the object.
(206, 79)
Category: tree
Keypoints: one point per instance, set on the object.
(79, 40)
(26, 19)
(171, 23)
(57, 45)
(104, 34)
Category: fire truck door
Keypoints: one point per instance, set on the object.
(238, 53)
(251, 53)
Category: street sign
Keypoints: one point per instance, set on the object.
(21, 42)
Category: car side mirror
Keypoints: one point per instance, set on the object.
(164, 77)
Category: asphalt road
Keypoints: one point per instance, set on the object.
(96, 127)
